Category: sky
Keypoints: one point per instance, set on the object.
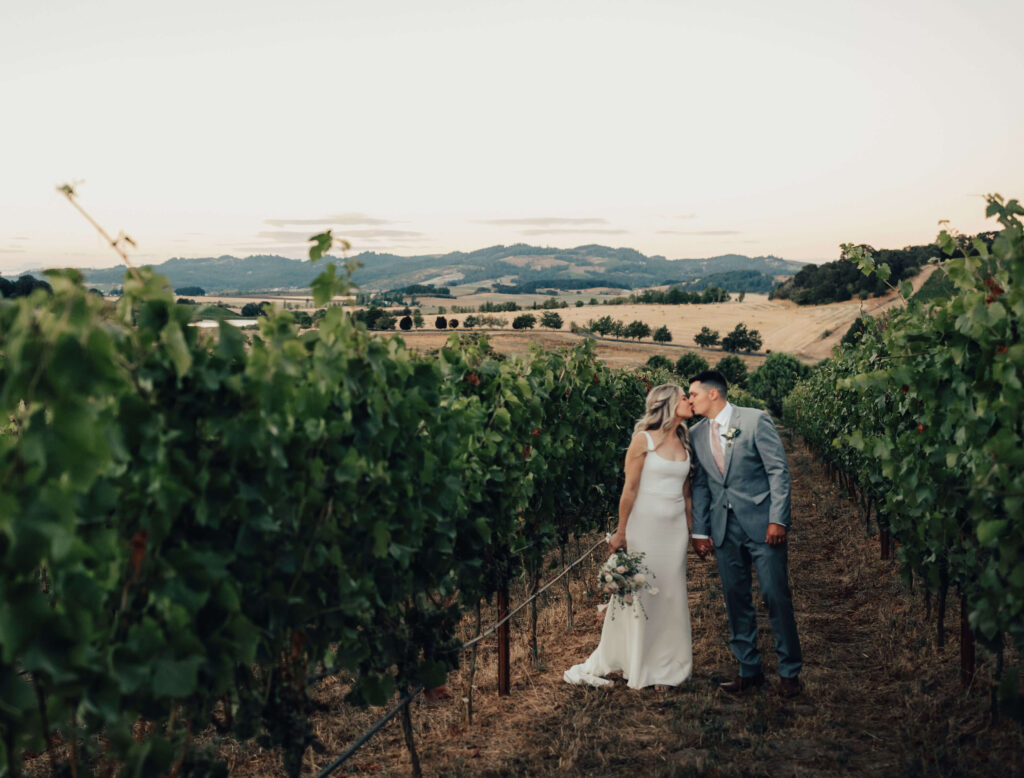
(685, 129)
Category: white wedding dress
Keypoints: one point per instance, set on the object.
(657, 649)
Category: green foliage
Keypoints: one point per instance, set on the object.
(252, 310)
(551, 320)
(677, 296)
(740, 396)
(637, 329)
(658, 362)
(843, 279)
(23, 287)
(925, 413)
(153, 480)
(689, 364)
(742, 339)
(938, 286)
(706, 338)
(734, 369)
(775, 379)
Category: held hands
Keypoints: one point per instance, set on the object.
(776, 535)
(703, 547)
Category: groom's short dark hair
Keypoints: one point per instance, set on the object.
(713, 380)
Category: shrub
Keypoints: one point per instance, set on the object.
(441, 323)
(742, 339)
(638, 330)
(525, 321)
(706, 338)
(776, 378)
(252, 310)
(734, 369)
(658, 362)
(551, 320)
(689, 365)
(662, 335)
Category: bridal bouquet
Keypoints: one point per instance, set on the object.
(621, 578)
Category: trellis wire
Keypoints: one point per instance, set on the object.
(468, 644)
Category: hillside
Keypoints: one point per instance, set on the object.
(518, 264)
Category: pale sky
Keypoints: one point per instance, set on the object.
(677, 128)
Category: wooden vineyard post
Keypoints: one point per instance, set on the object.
(966, 646)
(504, 684)
(885, 541)
(410, 741)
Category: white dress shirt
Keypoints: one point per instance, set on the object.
(723, 418)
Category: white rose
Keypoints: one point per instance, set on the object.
(620, 569)
(654, 590)
(639, 578)
(608, 576)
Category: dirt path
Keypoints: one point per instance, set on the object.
(879, 699)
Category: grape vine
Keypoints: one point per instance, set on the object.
(924, 415)
(190, 525)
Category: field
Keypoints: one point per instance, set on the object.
(808, 332)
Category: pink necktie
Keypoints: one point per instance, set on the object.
(716, 447)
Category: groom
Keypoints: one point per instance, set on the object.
(741, 499)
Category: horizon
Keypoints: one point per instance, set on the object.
(336, 258)
(675, 129)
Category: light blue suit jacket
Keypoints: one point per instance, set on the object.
(755, 484)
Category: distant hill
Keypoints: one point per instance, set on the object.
(519, 264)
(842, 280)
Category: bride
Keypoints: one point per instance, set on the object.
(655, 517)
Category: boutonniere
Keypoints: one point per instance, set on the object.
(730, 435)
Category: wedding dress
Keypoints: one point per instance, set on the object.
(656, 649)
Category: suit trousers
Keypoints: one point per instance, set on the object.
(735, 557)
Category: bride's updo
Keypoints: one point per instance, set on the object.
(660, 411)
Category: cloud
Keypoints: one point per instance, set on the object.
(704, 233)
(541, 221)
(338, 219)
(290, 236)
(571, 231)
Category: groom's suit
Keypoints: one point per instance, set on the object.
(735, 508)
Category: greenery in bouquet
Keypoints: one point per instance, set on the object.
(621, 579)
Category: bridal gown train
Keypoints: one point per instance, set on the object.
(658, 649)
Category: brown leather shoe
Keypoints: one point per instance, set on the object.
(790, 687)
(741, 685)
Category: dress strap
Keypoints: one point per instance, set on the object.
(650, 440)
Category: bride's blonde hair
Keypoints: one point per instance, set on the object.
(660, 411)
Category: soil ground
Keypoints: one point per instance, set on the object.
(879, 698)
